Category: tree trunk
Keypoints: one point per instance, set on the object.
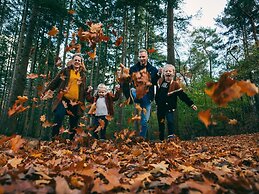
(123, 60)
(67, 31)
(3, 9)
(20, 70)
(170, 32)
(136, 34)
(6, 91)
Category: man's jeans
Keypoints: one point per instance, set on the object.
(145, 103)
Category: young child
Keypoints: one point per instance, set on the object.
(166, 99)
(104, 107)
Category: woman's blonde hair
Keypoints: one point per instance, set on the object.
(82, 61)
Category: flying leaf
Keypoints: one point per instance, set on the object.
(43, 118)
(142, 82)
(53, 32)
(248, 88)
(92, 55)
(101, 125)
(228, 89)
(48, 95)
(70, 113)
(232, 121)
(136, 118)
(18, 106)
(32, 76)
(22, 99)
(108, 117)
(119, 41)
(152, 50)
(96, 28)
(92, 109)
(122, 75)
(71, 11)
(205, 117)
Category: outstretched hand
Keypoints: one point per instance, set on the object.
(117, 87)
(89, 89)
(194, 107)
(122, 65)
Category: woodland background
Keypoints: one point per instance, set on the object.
(27, 48)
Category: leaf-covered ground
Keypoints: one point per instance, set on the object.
(210, 165)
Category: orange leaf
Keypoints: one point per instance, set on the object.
(22, 99)
(42, 118)
(92, 55)
(16, 143)
(71, 11)
(136, 118)
(228, 89)
(105, 38)
(205, 117)
(248, 88)
(53, 32)
(232, 121)
(92, 109)
(48, 95)
(95, 28)
(152, 50)
(32, 76)
(108, 117)
(119, 41)
(46, 124)
(70, 113)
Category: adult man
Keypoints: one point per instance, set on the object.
(70, 84)
(138, 70)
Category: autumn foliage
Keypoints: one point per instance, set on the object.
(128, 165)
(224, 91)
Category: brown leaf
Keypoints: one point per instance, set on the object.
(152, 50)
(248, 88)
(228, 89)
(109, 117)
(53, 32)
(14, 162)
(232, 121)
(16, 143)
(92, 55)
(70, 113)
(62, 187)
(32, 76)
(119, 41)
(71, 11)
(205, 117)
(92, 109)
(48, 95)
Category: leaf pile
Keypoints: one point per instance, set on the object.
(128, 165)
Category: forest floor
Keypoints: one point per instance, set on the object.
(224, 164)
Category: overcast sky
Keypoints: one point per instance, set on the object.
(210, 9)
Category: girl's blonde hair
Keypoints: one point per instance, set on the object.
(168, 66)
(102, 86)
